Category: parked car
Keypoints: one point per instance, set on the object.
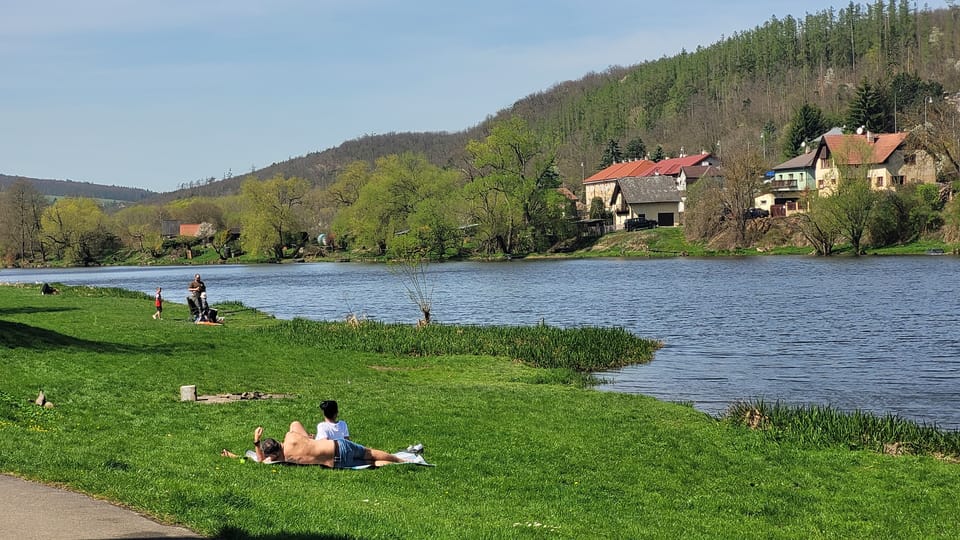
(757, 213)
(640, 222)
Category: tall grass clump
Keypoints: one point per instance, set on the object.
(582, 349)
(823, 425)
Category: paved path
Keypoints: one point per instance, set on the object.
(31, 511)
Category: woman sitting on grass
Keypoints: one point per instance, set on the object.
(301, 449)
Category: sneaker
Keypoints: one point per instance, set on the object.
(415, 449)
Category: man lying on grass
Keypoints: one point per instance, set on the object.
(301, 449)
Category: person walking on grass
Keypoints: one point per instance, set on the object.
(300, 448)
(158, 303)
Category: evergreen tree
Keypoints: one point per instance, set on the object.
(807, 124)
(611, 154)
(869, 110)
(658, 154)
(636, 149)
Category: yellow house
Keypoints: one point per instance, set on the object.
(881, 158)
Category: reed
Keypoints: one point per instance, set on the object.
(584, 349)
(824, 425)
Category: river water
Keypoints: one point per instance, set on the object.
(875, 333)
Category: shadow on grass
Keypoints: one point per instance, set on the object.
(232, 533)
(33, 309)
(15, 335)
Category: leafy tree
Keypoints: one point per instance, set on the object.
(890, 222)
(869, 110)
(611, 154)
(139, 226)
(636, 149)
(76, 230)
(852, 204)
(346, 189)
(509, 196)
(807, 124)
(405, 204)
(271, 211)
(819, 225)
(925, 211)
(598, 210)
(951, 226)
(199, 211)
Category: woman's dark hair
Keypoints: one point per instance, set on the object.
(329, 408)
(270, 447)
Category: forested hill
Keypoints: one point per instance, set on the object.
(720, 96)
(69, 188)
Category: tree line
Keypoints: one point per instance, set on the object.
(503, 200)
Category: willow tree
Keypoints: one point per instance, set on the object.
(76, 230)
(509, 196)
(403, 205)
(272, 211)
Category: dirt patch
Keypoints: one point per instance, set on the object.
(243, 396)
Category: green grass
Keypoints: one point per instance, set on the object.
(519, 451)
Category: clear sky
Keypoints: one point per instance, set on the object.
(152, 94)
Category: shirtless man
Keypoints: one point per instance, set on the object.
(300, 448)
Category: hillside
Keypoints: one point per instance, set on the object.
(70, 188)
(721, 96)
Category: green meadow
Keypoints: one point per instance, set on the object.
(523, 446)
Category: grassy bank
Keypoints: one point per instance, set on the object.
(519, 452)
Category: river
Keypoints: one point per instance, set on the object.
(875, 333)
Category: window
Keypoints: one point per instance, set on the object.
(897, 180)
(910, 159)
(879, 181)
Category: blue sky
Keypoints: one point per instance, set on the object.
(154, 94)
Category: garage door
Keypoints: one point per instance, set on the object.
(665, 219)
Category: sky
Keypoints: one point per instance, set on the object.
(155, 94)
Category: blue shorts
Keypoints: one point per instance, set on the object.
(349, 454)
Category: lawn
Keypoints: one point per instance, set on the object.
(521, 451)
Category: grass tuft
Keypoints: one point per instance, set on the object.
(823, 426)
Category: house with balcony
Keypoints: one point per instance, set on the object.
(792, 180)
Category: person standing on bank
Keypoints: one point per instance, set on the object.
(158, 303)
(196, 288)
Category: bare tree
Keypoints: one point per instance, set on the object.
(412, 272)
(743, 178)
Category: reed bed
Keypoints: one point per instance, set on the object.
(823, 425)
(584, 349)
